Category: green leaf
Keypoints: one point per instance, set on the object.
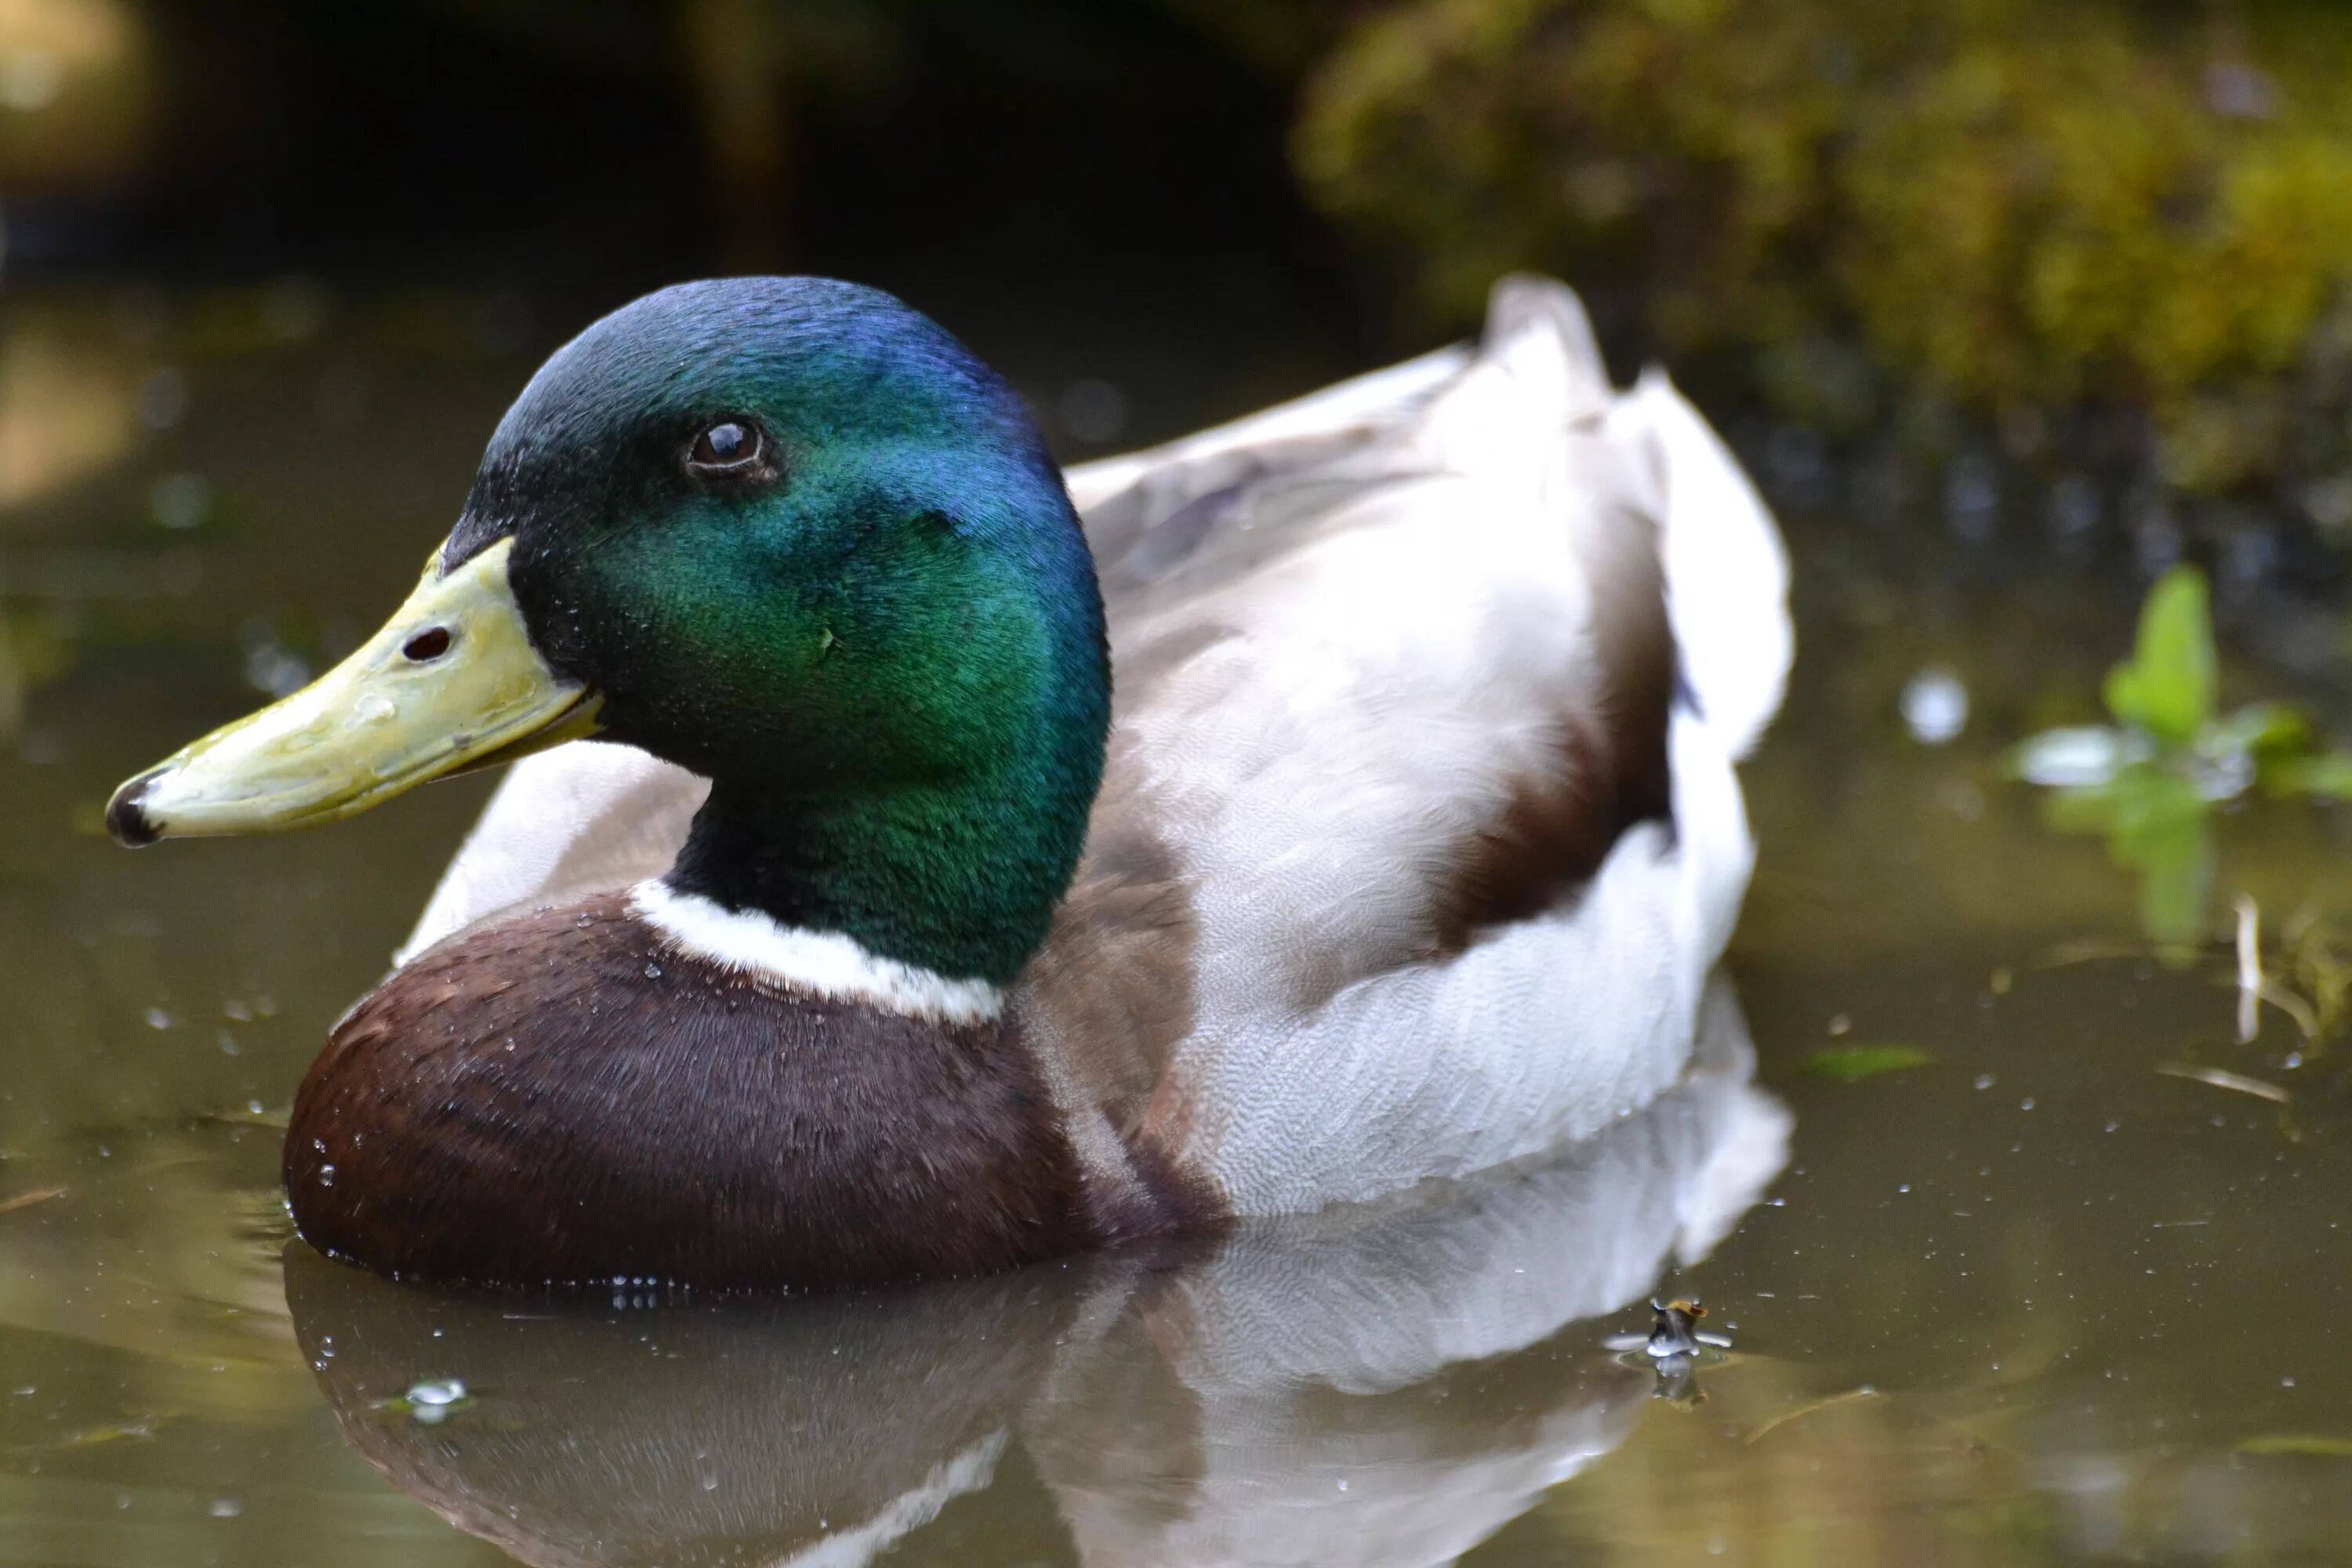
(2168, 688)
(2266, 732)
(1851, 1064)
(2329, 777)
(2176, 890)
(2307, 1444)
(2156, 825)
(2160, 829)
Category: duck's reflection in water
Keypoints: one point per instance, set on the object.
(1382, 1385)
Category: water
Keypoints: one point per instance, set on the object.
(2034, 1301)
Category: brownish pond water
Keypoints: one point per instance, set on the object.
(2064, 1289)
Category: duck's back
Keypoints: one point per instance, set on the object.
(1408, 847)
(1419, 833)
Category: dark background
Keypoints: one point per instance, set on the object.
(1063, 181)
(1206, 206)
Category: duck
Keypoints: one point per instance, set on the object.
(1387, 1383)
(917, 860)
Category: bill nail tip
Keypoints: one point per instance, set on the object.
(127, 818)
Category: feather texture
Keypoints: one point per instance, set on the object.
(1292, 1393)
(1409, 860)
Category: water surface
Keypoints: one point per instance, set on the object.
(2038, 1299)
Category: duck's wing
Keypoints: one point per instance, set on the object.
(1421, 831)
(592, 816)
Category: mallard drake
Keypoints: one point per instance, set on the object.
(871, 937)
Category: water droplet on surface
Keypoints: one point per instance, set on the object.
(180, 500)
(158, 1019)
(226, 1508)
(1934, 707)
(2074, 506)
(652, 971)
(326, 1175)
(437, 1392)
(374, 707)
(163, 398)
(1972, 498)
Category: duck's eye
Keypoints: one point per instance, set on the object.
(729, 447)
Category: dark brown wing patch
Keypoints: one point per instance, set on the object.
(1608, 768)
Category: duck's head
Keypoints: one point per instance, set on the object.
(786, 533)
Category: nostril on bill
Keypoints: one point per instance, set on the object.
(427, 645)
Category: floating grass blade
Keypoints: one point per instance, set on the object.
(1852, 1064)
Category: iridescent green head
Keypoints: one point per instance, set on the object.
(790, 534)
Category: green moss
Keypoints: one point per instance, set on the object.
(2022, 207)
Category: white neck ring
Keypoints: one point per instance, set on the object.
(822, 963)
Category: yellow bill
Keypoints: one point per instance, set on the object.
(450, 683)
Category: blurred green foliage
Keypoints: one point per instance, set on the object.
(2168, 687)
(2025, 208)
(2155, 825)
(2149, 783)
(2299, 1445)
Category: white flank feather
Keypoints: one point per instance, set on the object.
(1406, 623)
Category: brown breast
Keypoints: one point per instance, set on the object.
(563, 1097)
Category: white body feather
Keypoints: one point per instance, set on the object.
(1393, 593)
